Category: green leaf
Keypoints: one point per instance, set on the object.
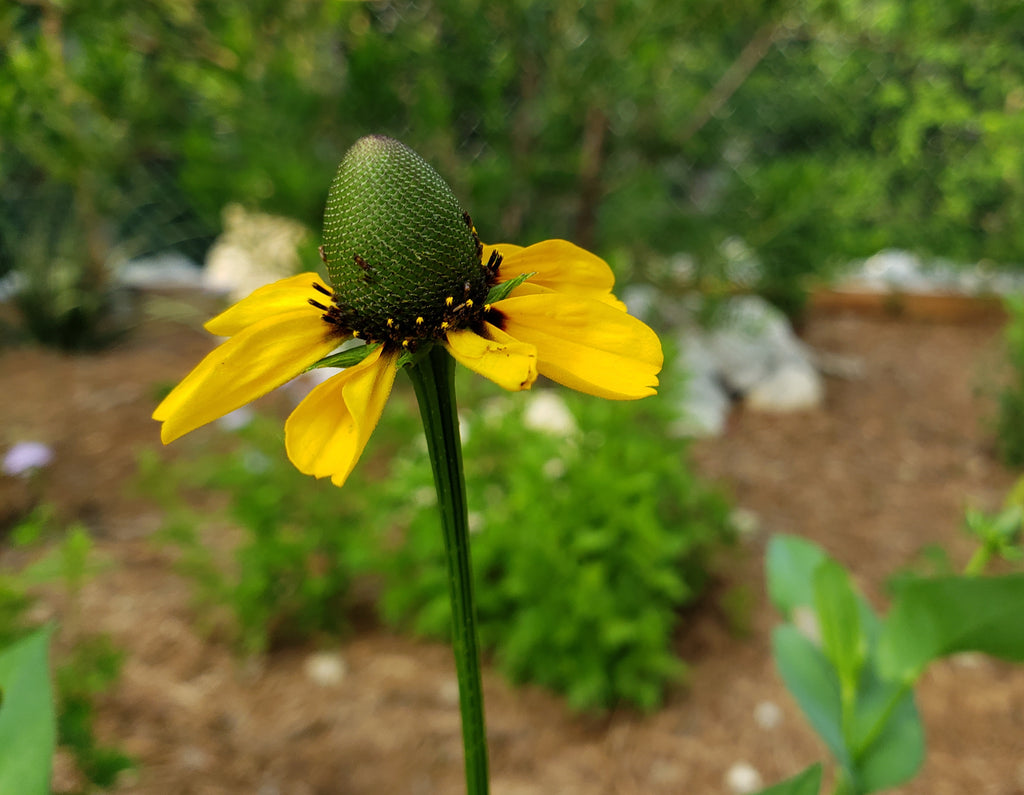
(838, 613)
(934, 617)
(500, 291)
(813, 682)
(806, 783)
(28, 726)
(894, 752)
(790, 562)
(346, 358)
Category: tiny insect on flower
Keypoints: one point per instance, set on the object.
(406, 271)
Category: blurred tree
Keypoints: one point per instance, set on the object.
(801, 134)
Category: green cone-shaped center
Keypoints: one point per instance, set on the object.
(401, 253)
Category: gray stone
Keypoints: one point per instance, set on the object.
(705, 405)
(168, 269)
(794, 386)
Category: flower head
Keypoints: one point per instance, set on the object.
(407, 270)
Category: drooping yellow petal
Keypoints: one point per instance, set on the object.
(509, 363)
(586, 345)
(327, 432)
(286, 295)
(560, 266)
(256, 360)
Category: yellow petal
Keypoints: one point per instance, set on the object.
(586, 345)
(510, 364)
(560, 266)
(254, 361)
(286, 295)
(327, 432)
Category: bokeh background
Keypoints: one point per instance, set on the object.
(227, 625)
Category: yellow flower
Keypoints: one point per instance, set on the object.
(559, 319)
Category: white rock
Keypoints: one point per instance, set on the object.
(554, 468)
(325, 668)
(894, 269)
(751, 353)
(767, 715)
(546, 411)
(254, 249)
(743, 778)
(166, 269)
(745, 522)
(750, 343)
(237, 419)
(705, 405)
(794, 386)
(806, 622)
(448, 692)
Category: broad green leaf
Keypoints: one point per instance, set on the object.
(895, 753)
(813, 683)
(838, 612)
(27, 719)
(934, 617)
(806, 783)
(790, 562)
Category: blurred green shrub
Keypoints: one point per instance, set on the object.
(586, 546)
(812, 132)
(85, 665)
(287, 578)
(1010, 419)
(63, 291)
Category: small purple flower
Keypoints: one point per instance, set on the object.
(26, 457)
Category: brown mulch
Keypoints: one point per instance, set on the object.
(883, 469)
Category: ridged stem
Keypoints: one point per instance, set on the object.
(433, 378)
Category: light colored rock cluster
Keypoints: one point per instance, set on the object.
(253, 250)
(750, 354)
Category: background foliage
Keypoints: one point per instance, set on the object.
(812, 131)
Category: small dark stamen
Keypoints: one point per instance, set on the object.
(493, 264)
(467, 219)
(321, 289)
(361, 262)
(318, 305)
(323, 253)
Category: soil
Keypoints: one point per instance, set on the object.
(882, 470)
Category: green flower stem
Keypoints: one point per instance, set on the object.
(433, 377)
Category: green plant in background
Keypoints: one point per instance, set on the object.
(1010, 417)
(90, 668)
(853, 672)
(589, 536)
(648, 127)
(85, 665)
(62, 293)
(287, 579)
(27, 717)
